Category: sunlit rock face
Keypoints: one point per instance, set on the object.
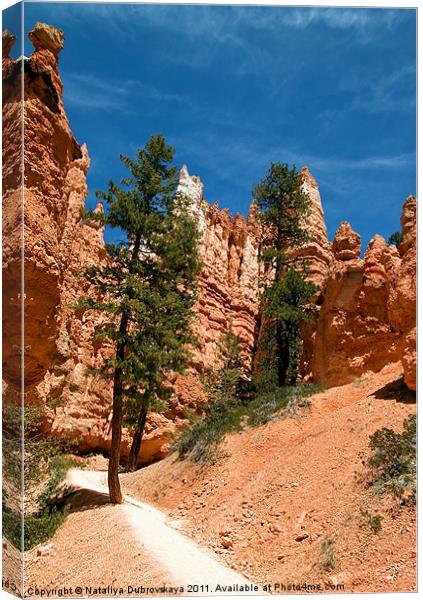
(318, 256)
(346, 244)
(58, 343)
(228, 282)
(317, 252)
(12, 203)
(365, 314)
(227, 287)
(402, 299)
(368, 315)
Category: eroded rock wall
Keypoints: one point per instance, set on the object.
(228, 282)
(368, 315)
(12, 215)
(227, 287)
(58, 343)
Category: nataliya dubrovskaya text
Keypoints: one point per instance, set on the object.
(139, 590)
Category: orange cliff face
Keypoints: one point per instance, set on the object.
(228, 295)
(365, 308)
(58, 343)
(368, 315)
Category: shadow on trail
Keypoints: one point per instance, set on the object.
(84, 499)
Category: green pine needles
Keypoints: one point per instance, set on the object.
(287, 296)
(222, 385)
(149, 289)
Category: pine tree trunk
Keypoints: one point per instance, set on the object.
(283, 355)
(114, 460)
(115, 492)
(136, 442)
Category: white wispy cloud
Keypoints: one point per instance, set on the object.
(195, 20)
(341, 18)
(396, 161)
(246, 152)
(388, 91)
(89, 91)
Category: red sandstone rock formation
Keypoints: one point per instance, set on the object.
(228, 283)
(227, 287)
(346, 244)
(317, 252)
(368, 315)
(402, 299)
(57, 242)
(319, 258)
(12, 212)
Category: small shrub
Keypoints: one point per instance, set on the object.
(373, 521)
(395, 238)
(41, 525)
(53, 490)
(12, 526)
(393, 463)
(285, 402)
(201, 441)
(329, 562)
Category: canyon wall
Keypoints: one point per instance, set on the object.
(365, 307)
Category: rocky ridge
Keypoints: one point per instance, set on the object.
(368, 313)
(366, 307)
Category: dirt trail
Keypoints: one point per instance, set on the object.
(186, 563)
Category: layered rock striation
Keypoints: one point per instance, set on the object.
(228, 295)
(228, 282)
(365, 307)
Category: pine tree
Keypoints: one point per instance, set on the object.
(149, 288)
(282, 205)
(395, 238)
(222, 385)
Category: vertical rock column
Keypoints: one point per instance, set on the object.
(402, 299)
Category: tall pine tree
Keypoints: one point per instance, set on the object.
(149, 288)
(282, 205)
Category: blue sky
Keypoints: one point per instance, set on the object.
(233, 88)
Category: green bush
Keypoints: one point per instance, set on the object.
(329, 562)
(201, 442)
(53, 490)
(395, 238)
(373, 521)
(41, 525)
(285, 402)
(393, 462)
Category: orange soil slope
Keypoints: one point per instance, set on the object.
(285, 487)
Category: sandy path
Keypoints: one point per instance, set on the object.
(94, 549)
(186, 563)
